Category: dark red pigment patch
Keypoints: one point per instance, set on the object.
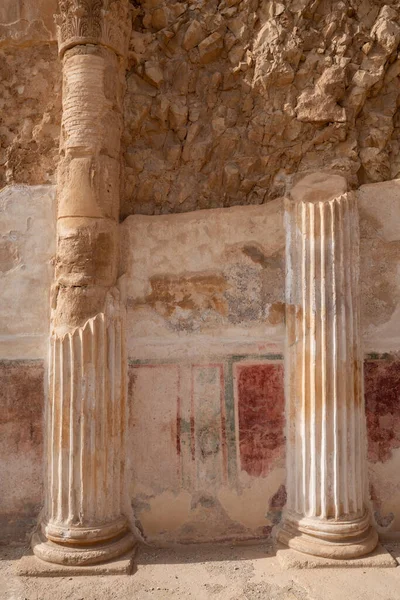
(278, 500)
(382, 405)
(21, 403)
(276, 504)
(261, 417)
(21, 435)
(383, 521)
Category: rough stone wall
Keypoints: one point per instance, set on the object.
(30, 93)
(30, 105)
(228, 101)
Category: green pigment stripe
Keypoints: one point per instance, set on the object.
(230, 425)
(232, 358)
(208, 359)
(382, 356)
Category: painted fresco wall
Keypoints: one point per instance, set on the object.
(380, 252)
(205, 343)
(205, 311)
(213, 464)
(206, 334)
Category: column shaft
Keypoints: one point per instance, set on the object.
(84, 520)
(326, 513)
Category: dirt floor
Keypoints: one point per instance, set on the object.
(204, 573)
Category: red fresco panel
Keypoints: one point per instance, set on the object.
(382, 405)
(260, 390)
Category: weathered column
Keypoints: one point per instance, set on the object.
(326, 513)
(83, 519)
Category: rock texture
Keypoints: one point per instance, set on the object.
(228, 101)
(30, 92)
(30, 101)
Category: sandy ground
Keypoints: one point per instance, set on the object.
(204, 573)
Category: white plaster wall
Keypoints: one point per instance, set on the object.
(187, 244)
(27, 247)
(379, 206)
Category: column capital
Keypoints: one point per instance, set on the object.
(319, 187)
(100, 22)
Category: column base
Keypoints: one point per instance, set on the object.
(32, 566)
(291, 559)
(329, 538)
(82, 554)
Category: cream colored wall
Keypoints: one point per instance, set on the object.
(27, 247)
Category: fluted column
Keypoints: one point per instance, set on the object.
(83, 521)
(326, 513)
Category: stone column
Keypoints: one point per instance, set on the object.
(83, 520)
(327, 499)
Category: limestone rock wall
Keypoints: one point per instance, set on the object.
(227, 102)
(30, 93)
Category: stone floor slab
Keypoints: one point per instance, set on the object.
(201, 573)
(291, 559)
